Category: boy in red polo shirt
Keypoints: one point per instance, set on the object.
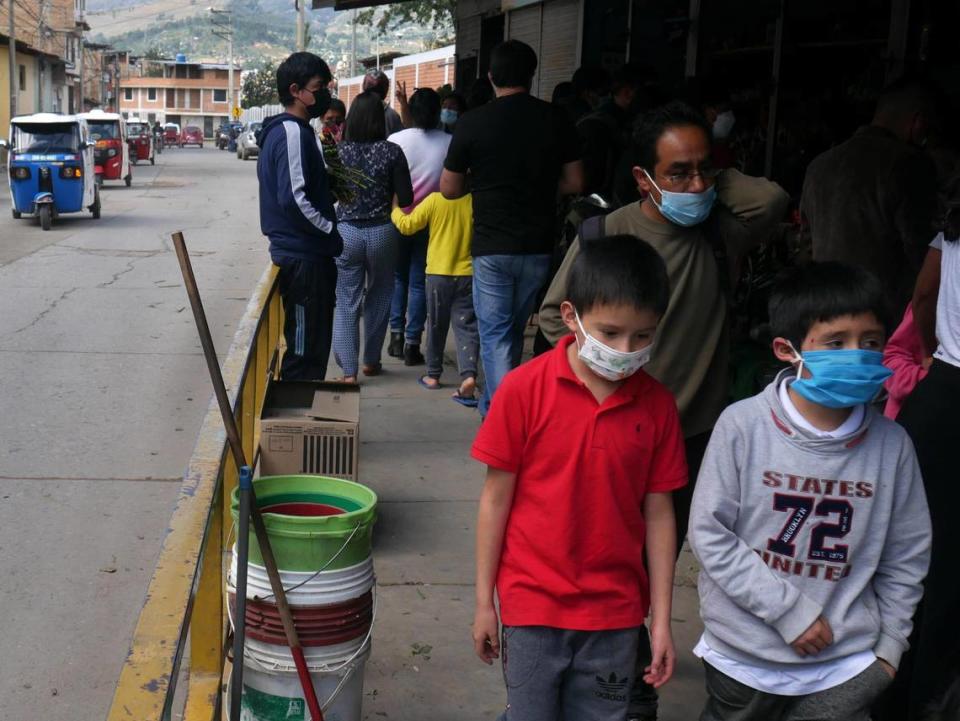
(583, 450)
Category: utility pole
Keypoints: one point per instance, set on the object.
(353, 45)
(301, 24)
(223, 24)
(14, 86)
(80, 107)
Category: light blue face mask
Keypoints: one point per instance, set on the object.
(448, 116)
(840, 378)
(685, 209)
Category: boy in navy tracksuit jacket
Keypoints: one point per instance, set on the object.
(297, 215)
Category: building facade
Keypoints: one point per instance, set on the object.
(48, 41)
(180, 92)
(430, 69)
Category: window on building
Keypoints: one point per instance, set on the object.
(128, 93)
(219, 96)
(151, 94)
(23, 78)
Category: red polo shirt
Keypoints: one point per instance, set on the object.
(573, 549)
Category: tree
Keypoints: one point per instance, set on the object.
(151, 62)
(440, 15)
(260, 87)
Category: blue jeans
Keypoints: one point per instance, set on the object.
(504, 289)
(409, 288)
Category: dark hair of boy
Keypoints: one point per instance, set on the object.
(300, 69)
(458, 99)
(651, 126)
(821, 292)
(365, 121)
(425, 108)
(618, 270)
(337, 106)
(378, 82)
(512, 65)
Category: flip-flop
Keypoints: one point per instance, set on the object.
(466, 401)
(426, 385)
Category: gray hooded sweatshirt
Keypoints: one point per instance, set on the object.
(788, 526)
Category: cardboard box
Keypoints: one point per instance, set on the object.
(310, 427)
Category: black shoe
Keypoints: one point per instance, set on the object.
(395, 349)
(412, 356)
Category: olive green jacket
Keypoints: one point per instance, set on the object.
(691, 347)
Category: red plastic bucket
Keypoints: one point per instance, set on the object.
(316, 625)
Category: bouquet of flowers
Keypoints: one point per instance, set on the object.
(344, 181)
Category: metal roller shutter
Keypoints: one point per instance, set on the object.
(524, 24)
(559, 41)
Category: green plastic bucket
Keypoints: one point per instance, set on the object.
(341, 528)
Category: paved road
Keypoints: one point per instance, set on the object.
(102, 391)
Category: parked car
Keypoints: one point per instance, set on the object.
(171, 134)
(247, 142)
(226, 133)
(191, 135)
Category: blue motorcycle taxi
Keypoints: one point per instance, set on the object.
(51, 167)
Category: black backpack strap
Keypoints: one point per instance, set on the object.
(593, 228)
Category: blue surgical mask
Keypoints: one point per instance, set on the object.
(684, 209)
(448, 116)
(840, 378)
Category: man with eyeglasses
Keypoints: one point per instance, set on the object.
(698, 219)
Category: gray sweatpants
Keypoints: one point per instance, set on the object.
(730, 700)
(450, 298)
(557, 675)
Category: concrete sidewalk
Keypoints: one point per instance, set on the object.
(415, 454)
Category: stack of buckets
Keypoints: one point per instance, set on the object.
(320, 532)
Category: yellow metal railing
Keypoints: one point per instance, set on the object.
(185, 598)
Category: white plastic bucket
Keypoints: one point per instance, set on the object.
(307, 588)
(272, 691)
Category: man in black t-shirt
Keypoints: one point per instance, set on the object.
(520, 153)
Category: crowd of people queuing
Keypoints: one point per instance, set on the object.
(820, 520)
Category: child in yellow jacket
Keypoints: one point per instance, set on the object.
(449, 287)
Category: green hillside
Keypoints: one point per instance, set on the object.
(263, 29)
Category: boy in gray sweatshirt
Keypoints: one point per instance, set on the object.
(809, 518)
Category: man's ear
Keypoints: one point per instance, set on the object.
(784, 351)
(643, 182)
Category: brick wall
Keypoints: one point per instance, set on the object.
(404, 74)
(431, 76)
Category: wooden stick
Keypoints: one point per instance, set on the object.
(236, 447)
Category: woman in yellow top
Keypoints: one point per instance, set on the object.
(449, 287)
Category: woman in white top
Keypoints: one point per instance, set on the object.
(425, 147)
(931, 415)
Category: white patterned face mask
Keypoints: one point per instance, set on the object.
(607, 362)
